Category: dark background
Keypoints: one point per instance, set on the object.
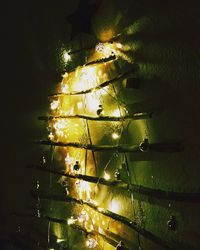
(31, 33)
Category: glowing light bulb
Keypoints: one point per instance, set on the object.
(60, 240)
(100, 230)
(119, 45)
(71, 221)
(83, 217)
(116, 113)
(106, 176)
(51, 136)
(114, 206)
(79, 105)
(100, 209)
(65, 75)
(64, 88)
(68, 160)
(37, 184)
(115, 136)
(67, 57)
(54, 104)
(100, 47)
(91, 243)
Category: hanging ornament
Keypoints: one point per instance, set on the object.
(172, 223)
(76, 166)
(120, 245)
(100, 110)
(117, 175)
(144, 145)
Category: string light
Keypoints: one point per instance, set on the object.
(51, 136)
(91, 243)
(115, 136)
(67, 57)
(64, 88)
(71, 221)
(119, 45)
(54, 105)
(106, 176)
(60, 240)
(100, 47)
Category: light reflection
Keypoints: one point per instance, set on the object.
(114, 206)
(67, 57)
(54, 105)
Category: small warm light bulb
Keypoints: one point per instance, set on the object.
(64, 88)
(54, 105)
(65, 75)
(60, 240)
(100, 209)
(79, 105)
(68, 159)
(51, 136)
(100, 47)
(116, 113)
(115, 136)
(91, 243)
(100, 230)
(106, 176)
(67, 57)
(119, 45)
(114, 206)
(71, 221)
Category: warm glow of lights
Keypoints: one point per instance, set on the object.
(65, 75)
(116, 113)
(64, 88)
(68, 160)
(100, 47)
(115, 136)
(71, 221)
(106, 176)
(51, 136)
(84, 189)
(79, 105)
(83, 216)
(100, 209)
(119, 45)
(54, 105)
(100, 230)
(91, 243)
(67, 57)
(114, 206)
(105, 48)
(60, 240)
(92, 102)
(107, 34)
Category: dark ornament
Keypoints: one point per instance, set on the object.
(120, 246)
(76, 166)
(117, 175)
(144, 146)
(100, 110)
(172, 223)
